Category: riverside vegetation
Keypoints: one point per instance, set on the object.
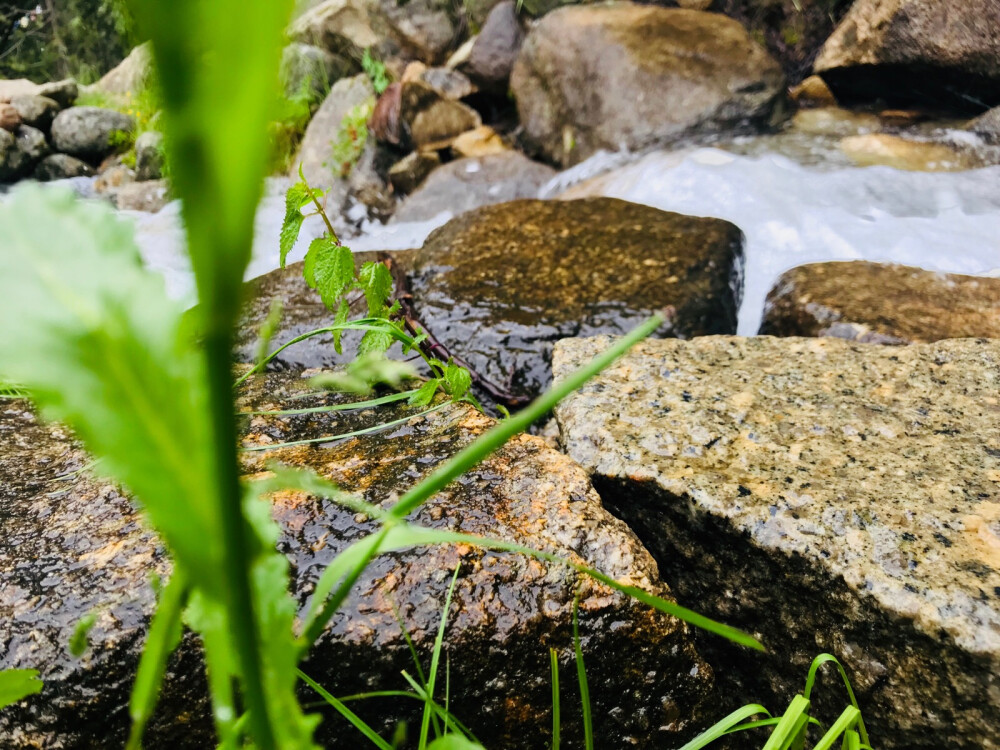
(149, 389)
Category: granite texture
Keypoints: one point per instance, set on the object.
(73, 545)
(825, 496)
(881, 303)
(500, 284)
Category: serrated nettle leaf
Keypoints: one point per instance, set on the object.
(18, 684)
(376, 282)
(458, 380)
(329, 269)
(296, 199)
(375, 342)
(103, 349)
(426, 393)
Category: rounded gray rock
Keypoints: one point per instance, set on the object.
(61, 167)
(89, 133)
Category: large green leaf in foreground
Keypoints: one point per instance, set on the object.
(94, 337)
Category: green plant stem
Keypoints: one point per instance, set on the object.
(319, 208)
(237, 560)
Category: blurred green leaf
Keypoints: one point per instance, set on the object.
(17, 684)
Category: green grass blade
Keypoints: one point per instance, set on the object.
(730, 723)
(353, 406)
(164, 635)
(503, 431)
(847, 719)
(818, 662)
(556, 721)
(435, 660)
(789, 728)
(345, 435)
(581, 676)
(356, 721)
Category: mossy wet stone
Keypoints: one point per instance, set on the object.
(73, 545)
(500, 284)
(825, 496)
(881, 303)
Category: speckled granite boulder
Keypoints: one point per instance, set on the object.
(72, 545)
(500, 284)
(826, 496)
(881, 303)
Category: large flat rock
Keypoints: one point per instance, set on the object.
(75, 545)
(881, 303)
(826, 496)
(499, 285)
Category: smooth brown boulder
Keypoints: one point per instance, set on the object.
(650, 75)
(74, 544)
(923, 52)
(492, 56)
(881, 303)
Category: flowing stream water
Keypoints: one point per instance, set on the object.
(796, 199)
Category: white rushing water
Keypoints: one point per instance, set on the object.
(791, 213)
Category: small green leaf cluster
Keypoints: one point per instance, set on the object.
(376, 71)
(349, 143)
(329, 268)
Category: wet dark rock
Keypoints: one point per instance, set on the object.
(495, 49)
(76, 545)
(407, 174)
(825, 496)
(36, 111)
(31, 142)
(500, 284)
(916, 52)
(73, 545)
(90, 133)
(368, 182)
(423, 29)
(61, 166)
(881, 303)
(651, 75)
(465, 184)
(12, 159)
(149, 156)
(429, 119)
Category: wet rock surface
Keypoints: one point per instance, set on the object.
(72, 546)
(881, 303)
(885, 150)
(61, 166)
(499, 285)
(863, 479)
(465, 184)
(76, 545)
(908, 52)
(650, 75)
